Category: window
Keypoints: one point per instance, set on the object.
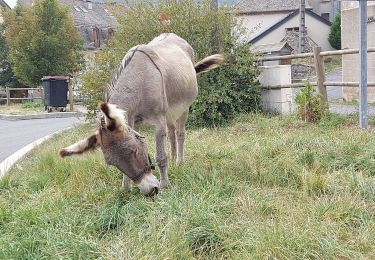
(292, 29)
(325, 16)
(95, 37)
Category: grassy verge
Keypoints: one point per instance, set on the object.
(334, 63)
(264, 187)
(27, 108)
(30, 108)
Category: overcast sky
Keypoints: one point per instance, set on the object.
(11, 3)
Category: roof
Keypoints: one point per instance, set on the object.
(260, 6)
(98, 16)
(273, 47)
(4, 4)
(284, 20)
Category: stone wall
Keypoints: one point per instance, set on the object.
(291, 38)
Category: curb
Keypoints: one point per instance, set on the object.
(12, 159)
(40, 116)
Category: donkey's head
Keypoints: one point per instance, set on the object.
(122, 147)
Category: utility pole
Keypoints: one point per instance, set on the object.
(363, 117)
(215, 32)
(302, 27)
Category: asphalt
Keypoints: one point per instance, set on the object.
(19, 134)
(334, 92)
(14, 135)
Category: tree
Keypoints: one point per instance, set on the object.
(42, 40)
(6, 74)
(334, 37)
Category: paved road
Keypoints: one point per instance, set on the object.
(14, 135)
(334, 92)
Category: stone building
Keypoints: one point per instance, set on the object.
(92, 18)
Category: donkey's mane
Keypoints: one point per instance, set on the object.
(125, 61)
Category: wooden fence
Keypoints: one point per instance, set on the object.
(321, 82)
(9, 99)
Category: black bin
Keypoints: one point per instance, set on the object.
(55, 92)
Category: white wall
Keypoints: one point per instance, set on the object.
(258, 23)
(317, 31)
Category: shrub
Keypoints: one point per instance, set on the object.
(309, 104)
(32, 105)
(227, 91)
(334, 36)
(231, 89)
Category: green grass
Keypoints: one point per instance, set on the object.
(334, 63)
(262, 188)
(25, 108)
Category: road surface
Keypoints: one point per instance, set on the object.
(334, 92)
(14, 135)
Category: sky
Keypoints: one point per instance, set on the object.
(11, 3)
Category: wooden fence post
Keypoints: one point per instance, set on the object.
(321, 78)
(8, 95)
(70, 88)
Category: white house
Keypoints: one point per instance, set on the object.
(269, 22)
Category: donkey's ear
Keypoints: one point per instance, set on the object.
(82, 146)
(114, 117)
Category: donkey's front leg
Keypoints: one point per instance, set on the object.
(161, 155)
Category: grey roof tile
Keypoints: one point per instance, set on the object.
(256, 6)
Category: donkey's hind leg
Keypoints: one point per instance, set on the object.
(180, 133)
(172, 140)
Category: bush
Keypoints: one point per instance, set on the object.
(231, 89)
(310, 105)
(227, 91)
(32, 105)
(334, 37)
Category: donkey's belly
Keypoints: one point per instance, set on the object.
(175, 112)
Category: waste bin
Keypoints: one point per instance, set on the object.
(55, 92)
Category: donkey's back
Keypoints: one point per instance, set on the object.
(180, 80)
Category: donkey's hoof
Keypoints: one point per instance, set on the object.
(164, 184)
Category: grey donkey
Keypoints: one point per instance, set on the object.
(155, 85)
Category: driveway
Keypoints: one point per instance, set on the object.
(14, 135)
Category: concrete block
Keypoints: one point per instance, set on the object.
(279, 101)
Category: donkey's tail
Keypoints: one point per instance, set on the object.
(209, 63)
